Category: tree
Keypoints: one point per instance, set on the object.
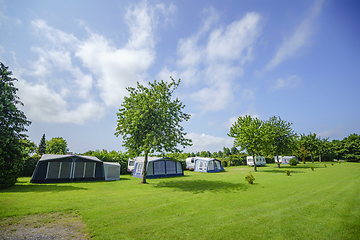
(226, 152)
(351, 146)
(234, 151)
(42, 145)
(56, 146)
(13, 123)
(279, 136)
(149, 120)
(248, 134)
(322, 146)
(310, 143)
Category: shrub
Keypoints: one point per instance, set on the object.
(332, 164)
(250, 178)
(312, 168)
(324, 165)
(288, 172)
(293, 162)
(224, 163)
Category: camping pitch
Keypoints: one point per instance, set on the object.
(158, 167)
(72, 168)
(209, 165)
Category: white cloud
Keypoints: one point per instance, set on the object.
(203, 142)
(61, 91)
(213, 66)
(288, 83)
(301, 37)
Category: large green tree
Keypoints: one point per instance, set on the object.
(149, 120)
(13, 123)
(310, 143)
(249, 135)
(280, 138)
(56, 145)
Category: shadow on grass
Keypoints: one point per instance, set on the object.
(282, 170)
(41, 188)
(200, 186)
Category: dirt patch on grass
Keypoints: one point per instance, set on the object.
(43, 227)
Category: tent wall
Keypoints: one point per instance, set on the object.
(159, 168)
(111, 171)
(67, 169)
(208, 165)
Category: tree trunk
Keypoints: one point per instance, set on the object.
(254, 163)
(143, 180)
(320, 157)
(277, 157)
(312, 158)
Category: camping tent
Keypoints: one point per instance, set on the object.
(209, 165)
(112, 171)
(158, 167)
(68, 168)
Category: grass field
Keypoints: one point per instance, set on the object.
(319, 204)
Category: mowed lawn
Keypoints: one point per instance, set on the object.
(319, 204)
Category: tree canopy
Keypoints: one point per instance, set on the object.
(149, 120)
(13, 123)
(42, 145)
(56, 145)
(249, 135)
(280, 138)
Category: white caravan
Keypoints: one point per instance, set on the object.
(285, 159)
(259, 161)
(190, 163)
(131, 165)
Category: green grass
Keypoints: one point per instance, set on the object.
(319, 204)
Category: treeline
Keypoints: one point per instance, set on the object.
(347, 149)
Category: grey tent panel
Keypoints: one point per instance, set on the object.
(67, 168)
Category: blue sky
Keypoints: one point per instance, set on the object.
(299, 60)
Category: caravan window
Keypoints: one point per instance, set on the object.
(192, 160)
(131, 163)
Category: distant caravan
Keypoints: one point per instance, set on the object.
(285, 159)
(259, 161)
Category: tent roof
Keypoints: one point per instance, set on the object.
(53, 157)
(152, 159)
(206, 159)
(112, 163)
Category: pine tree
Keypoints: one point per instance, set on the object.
(42, 145)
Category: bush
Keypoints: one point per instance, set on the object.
(312, 168)
(224, 163)
(29, 165)
(250, 178)
(324, 165)
(293, 162)
(288, 172)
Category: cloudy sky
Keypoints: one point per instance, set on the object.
(299, 60)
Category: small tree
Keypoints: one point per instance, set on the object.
(310, 143)
(280, 138)
(12, 125)
(42, 145)
(149, 120)
(248, 134)
(56, 146)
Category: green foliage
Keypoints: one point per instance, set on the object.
(12, 125)
(280, 138)
(250, 178)
(42, 145)
(293, 162)
(113, 156)
(288, 172)
(324, 165)
(312, 168)
(224, 163)
(249, 135)
(56, 145)
(149, 120)
(30, 165)
(226, 152)
(310, 143)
